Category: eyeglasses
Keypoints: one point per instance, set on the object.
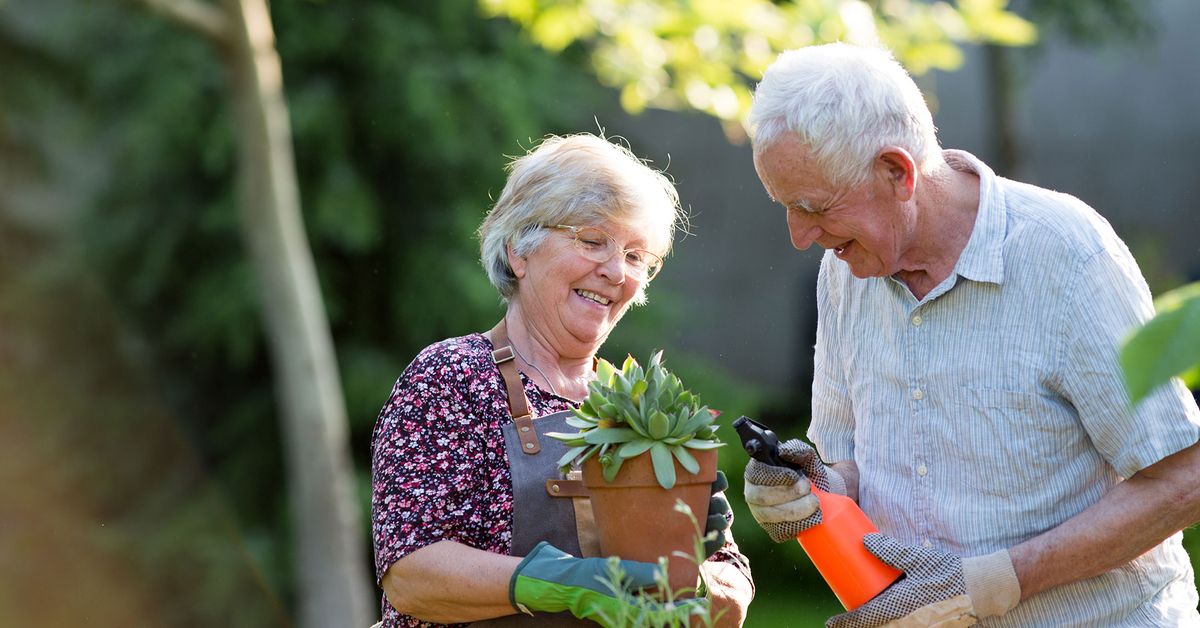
(596, 245)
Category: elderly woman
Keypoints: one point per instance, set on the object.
(464, 530)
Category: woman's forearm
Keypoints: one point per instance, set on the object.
(448, 582)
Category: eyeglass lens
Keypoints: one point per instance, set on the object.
(599, 247)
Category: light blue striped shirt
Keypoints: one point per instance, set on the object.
(993, 409)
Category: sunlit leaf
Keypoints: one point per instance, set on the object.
(1166, 346)
(664, 465)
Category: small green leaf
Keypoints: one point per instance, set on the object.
(635, 448)
(595, 399)
(574, 439)
(613, 466)
(664, 465)
(655, 359)
(610, 435)
(659, 425)
(579, 423)
(686, 460)
(570, 456)
(628, 366)
(703, 444)
(604, 373)
(639, 388)
(1166, 346)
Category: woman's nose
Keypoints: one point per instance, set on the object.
(614, 268)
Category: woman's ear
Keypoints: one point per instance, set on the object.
(516, 262)
(899, 170)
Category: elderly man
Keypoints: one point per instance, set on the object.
(967, 392)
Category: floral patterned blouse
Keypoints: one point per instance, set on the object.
(439, 467)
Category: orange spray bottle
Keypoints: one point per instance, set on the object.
(834, 545)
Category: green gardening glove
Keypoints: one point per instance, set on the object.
(719, 517)
(550, 580)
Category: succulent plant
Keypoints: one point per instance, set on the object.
(633, 410)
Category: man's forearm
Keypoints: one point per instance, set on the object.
(1136, 515)
(849, 472)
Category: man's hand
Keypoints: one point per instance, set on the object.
(552, 581)
(781, 499)
(719, 517)
(938, 589)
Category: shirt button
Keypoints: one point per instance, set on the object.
(918, 394)
(921, 470)
(927, 544)
(917, 320)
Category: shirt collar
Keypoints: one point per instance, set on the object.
(983, 257)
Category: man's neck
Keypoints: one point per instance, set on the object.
(947, 204)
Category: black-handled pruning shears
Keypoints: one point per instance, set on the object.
(760, 442)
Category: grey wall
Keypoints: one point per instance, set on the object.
(1118, 127)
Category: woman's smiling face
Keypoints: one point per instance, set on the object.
(577, 300)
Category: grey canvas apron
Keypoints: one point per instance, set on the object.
(546, 505)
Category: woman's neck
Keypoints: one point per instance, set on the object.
(543, 360)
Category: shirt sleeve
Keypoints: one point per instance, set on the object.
(1110, 301)
(425, 484)
(832, 427)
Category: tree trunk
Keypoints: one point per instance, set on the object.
(329, 552)
(1003, 91)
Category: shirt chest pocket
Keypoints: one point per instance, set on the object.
(1012, 441)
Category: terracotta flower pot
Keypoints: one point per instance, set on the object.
(636, 518)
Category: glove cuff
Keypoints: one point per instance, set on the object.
(512, 583)
(837, 484)
(991, 583)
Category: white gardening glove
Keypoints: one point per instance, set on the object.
(938, 589)
(781, 499)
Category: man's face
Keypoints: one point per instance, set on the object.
(866, 226)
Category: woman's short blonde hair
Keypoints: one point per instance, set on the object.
(574, 180)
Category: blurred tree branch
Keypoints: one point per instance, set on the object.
(328, 535)
(197, 15)
(705, 55)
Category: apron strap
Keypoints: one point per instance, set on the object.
(518, 403)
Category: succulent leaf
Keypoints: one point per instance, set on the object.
(659, 425)
(703, 444)
(613, 466)
(664, 465)
(639, 388)
(595, 399)
(629, 364)
(634, 448)
(571, 454)
(604, 373)
(608, 436)
(655, 359)
(686, 460)
(576, 422)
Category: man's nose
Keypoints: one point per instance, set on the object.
(804, 232)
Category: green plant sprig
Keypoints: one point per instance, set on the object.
(633, 410)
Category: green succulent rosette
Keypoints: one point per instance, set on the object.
(633, 410)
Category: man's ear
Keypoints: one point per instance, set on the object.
(516, 262)
(898, 169)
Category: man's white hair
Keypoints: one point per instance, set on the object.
(845, 103)
(574, 180)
